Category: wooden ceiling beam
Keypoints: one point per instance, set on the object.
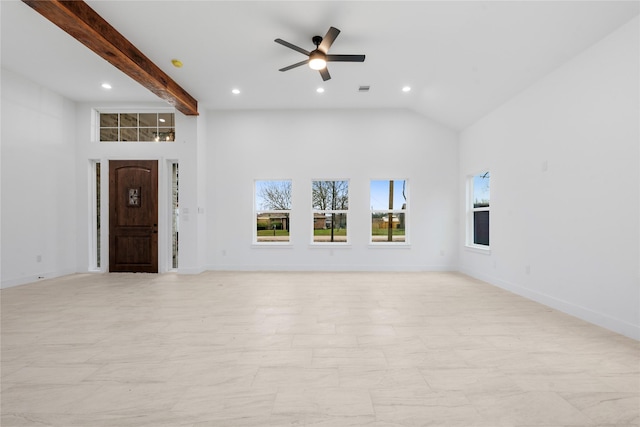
(85, 25)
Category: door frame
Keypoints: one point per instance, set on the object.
(164, 208)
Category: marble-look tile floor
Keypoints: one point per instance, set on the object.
(304, 349)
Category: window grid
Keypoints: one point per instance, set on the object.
(330, 210)
(388, 201)
(272, 207)
(136, 127)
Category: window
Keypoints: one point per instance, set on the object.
(478, 212)
(388, 201)
(95, 255)
(273, 211)
(330, 207)
(175, 218)
(158, 127)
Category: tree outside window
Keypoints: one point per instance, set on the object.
(330, 206)
(273, 211)
(388, 201)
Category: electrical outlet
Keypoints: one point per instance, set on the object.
(38, 258)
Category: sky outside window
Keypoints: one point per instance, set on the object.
(481, 188)
(380, 194)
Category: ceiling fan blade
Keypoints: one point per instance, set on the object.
(292, 46)
(345, 58)
(306, 61)
(328, 39)
(325, 74)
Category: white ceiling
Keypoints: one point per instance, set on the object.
(462, 59)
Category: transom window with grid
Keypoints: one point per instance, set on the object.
(137, 127)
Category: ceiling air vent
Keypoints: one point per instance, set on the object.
(364, 88)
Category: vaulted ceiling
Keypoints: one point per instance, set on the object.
(461, 59)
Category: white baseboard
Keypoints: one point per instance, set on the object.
(600, 319)
(9, 283)
(333, 268)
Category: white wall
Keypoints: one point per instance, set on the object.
(201, 194)
(305, 145)
(574, 225)
(38, 182)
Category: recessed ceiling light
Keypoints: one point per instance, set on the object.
(106, 86)
(235, 91)
(320, 90)
(176, 63)
(406, 89)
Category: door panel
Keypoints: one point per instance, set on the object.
(133, 216)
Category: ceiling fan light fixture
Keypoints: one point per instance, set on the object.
(317, 60)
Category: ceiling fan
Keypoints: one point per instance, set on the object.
(318, 58)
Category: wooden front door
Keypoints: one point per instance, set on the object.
(133, 216)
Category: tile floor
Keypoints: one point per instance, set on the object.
(304, 349)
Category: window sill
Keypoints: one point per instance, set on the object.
(271, 245)
(478, 249)
(325, 245)
(387, 245)
(134, 142)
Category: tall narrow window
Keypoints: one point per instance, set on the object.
(330, 206)
(479, 204)
(97, 213)
(272, 205)
(388, 201)
(174, 215)
(94, 253)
